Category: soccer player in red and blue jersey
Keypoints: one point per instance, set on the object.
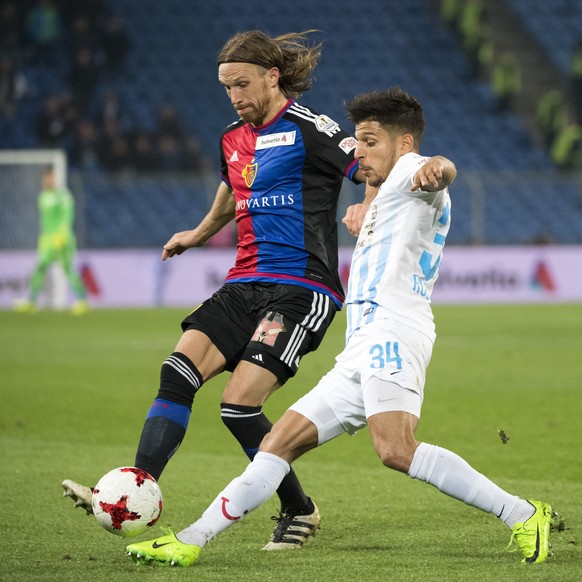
(282, 168)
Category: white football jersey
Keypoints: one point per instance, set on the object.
(398, 253)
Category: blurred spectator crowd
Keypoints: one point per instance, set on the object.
(559, 126)
(84, 46)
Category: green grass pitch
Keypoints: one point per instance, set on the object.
(75, 390)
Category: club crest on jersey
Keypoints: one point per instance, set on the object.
(250, 173)
(324, 123)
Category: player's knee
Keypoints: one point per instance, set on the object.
(287, 444)
(179, 380)
(395, 456)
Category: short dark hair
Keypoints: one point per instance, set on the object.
(391, 107)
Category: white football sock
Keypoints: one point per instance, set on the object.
(256, 485)
(453, 476)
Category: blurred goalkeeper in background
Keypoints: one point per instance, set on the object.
(56, 243)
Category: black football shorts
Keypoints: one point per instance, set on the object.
(270, 325)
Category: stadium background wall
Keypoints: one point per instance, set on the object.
(469, 275)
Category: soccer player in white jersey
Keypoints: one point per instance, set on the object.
(378, 379)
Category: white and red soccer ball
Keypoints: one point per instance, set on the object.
(127, 501)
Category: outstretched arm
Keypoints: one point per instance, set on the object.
(436, 174)
(221, 213)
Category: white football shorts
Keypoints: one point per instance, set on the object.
(382, 369)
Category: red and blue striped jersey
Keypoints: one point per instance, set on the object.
(286, 177)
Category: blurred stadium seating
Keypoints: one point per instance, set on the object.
(172, 59)
(557, 25)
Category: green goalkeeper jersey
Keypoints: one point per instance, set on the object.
(57, 215)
